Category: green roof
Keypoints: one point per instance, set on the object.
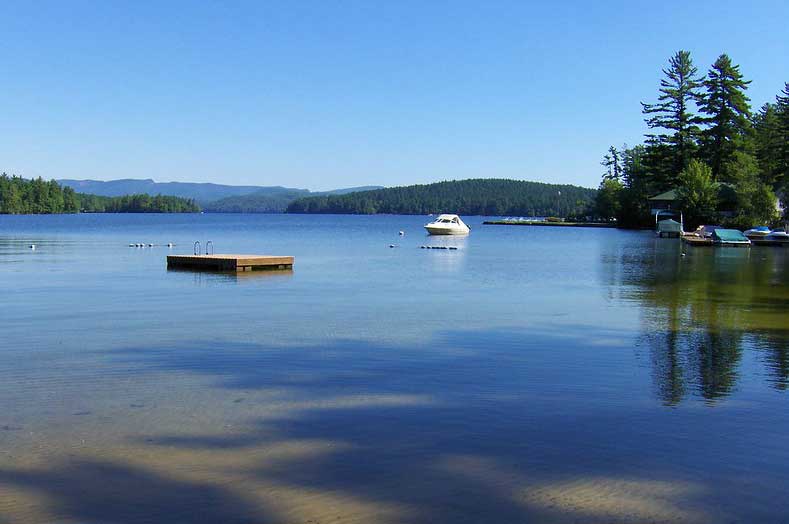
(668, 195)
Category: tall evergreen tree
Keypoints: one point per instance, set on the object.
(728, 112)
(782, 117)
(769, 144)
(612, 161)
(679, 91)
(633, 164)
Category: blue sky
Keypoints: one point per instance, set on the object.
(331, 94)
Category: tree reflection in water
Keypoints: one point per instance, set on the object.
(702, 309)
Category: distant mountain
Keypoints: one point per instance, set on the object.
(268, 201)
(480, 196)
(202, 193)
(263, 201)
(217, 198)
(37, 196)
(346, 190)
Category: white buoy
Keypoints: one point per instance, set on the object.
(32, 246)
(170, 244)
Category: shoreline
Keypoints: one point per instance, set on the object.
(549, 224)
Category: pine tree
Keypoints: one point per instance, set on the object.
(612, 162)
(782, 118)
(678, 92)
(728, 113)
(769, 142)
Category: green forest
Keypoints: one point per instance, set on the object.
(727, 163)
(274, 200)
(22, 196)
(493, 197)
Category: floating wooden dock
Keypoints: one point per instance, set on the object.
(696, 241)
(235, 263)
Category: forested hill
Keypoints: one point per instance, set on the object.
(213, 198)
(200, 192)
(22, 196)
(494, 197)
(270, 200)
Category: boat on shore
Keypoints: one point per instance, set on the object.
(447, 225)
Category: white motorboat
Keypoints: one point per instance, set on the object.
(447, 225)
(778, 235)
(757, 232)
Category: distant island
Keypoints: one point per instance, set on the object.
(481, 196)
(21, 196)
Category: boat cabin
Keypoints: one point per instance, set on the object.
(447, 219)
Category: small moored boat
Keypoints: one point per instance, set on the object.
(447, 225)
(668, 228)
(757, 232)
(706, 231)
(779, 235)
(729, 237)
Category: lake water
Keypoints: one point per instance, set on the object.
(534, 374)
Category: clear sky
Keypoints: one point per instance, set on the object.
(330, 94)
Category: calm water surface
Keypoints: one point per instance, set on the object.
(532, 375)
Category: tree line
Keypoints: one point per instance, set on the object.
(37, 196)
(493, 197)
(266, 201)
(727, 163)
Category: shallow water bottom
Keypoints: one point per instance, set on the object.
(599, 377)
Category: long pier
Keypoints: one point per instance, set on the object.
(235, 263)
(547, 224)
